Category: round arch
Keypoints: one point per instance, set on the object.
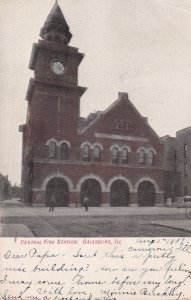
(151, 149)
(66, 142)
(97, 144)
(126, 147)
(119, 177)
(52, 140)
(145, 178)
(57, 175)
(142, 148)
(115, 146)
(91, 176)
(85, 143)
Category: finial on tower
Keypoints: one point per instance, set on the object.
(56, 2)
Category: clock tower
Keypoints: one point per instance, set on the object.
(53, 94)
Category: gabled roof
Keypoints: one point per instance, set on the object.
(94, 118)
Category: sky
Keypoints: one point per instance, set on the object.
(142, 47)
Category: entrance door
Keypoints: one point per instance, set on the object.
(91, 189)
(119, 193)
(146, 194)
(59, 188)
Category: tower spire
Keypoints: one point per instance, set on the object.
(56, 26)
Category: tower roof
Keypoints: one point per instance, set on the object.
(56, 23)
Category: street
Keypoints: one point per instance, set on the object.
(22, 221)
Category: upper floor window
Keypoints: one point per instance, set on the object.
(52, 150)
(124, 156)
(86, 153)
(142, 157)
(96, 154)
(64, 151)
(185, 150)
(185, 170)
(151, 158)
(115, 155)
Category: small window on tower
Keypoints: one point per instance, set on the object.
(52, 150)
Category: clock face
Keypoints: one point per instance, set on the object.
(58, 68)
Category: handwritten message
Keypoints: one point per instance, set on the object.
(95, 269)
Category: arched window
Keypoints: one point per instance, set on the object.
(115, 155)
(64, 151)
(124, 156)
(86, 153)
(52, 150)
(142, 157)
(151, 158)
(96, 154)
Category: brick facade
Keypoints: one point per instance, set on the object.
(113, 157)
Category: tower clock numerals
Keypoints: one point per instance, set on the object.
(58, 68)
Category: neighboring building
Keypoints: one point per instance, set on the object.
(5, 187)
(183, 149)
(171, 175)
(114, 157)
(177, 164)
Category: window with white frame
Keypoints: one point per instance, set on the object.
(151, 157)
(96, 154)
(124, 156)
(141, 157)
(52, 150)
(64, 151)
(86, 153)
(115, 155)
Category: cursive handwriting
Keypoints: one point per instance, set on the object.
(113, 270)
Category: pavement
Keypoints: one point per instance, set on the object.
(15, 208)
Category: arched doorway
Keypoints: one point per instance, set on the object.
(119, 193)
(91, 188)
(146, 194)
(59, 188)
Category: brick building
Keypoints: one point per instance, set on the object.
(177, 164)
(114, 157)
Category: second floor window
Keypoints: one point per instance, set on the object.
(141, 157)
(64, 151)
(52, 150)
(115, 155)
(151, 158)
(96, 154)
(124, 156)
(86, 153)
